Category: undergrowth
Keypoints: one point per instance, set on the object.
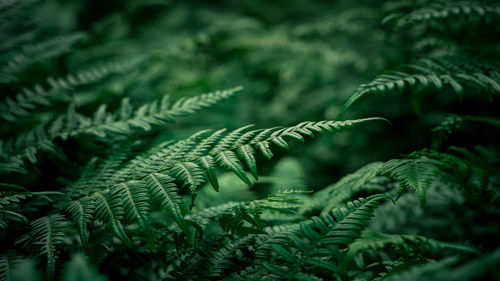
(251, 140)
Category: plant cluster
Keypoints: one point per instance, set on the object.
(104, 176)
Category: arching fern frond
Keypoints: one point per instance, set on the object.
(31, 100)
(432, 74)
(416, 173)
(341, 226)
(205, 151)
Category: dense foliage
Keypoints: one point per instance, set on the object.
(126, 151)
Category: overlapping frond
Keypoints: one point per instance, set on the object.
(125, 121)
(161, 171)
(314, 245)
(242, 218)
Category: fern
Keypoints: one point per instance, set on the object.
(164, 190)
(325, 236)
(232, 215)
(415, 173)
(160, 180)
(94, 188)
(81, 212)
(126, 121)
(34, 53)
(29, 100)
(108, 209)
(48, 234)
(431, 74)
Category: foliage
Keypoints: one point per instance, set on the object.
(121, 159)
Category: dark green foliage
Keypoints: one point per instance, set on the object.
(101, 178)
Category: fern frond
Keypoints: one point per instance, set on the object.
(332, 195)
(342, 225)
(201, 153)
(412, 174)
(232, 216)
(416, 173)
(431, 74)
(156, 113)
(34, 53)
(109, 209)
(336, 228)
(30, 100)
(220, 261)
(99, 174)
(312, 244)
(81, 213)
(164, 191)
(47, 234)
(135, 200)
(259, 140)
